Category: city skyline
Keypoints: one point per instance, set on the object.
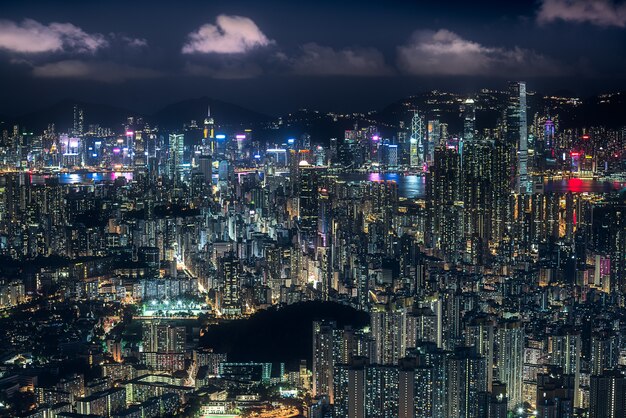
(145, 54)
(313, 210)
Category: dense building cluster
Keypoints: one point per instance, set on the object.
(491, 263)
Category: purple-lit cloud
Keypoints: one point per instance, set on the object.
(447, 54)
(32, 37)
(108, 72)
(135, 42)
(316, 59)
(596, 12)
(229, 35)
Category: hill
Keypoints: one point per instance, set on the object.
(278, 335)
(175, 115)
(62, 115)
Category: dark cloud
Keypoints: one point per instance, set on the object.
(596, 12)
(445, 53)
(225, 70)
(314, 59)
(107, 72)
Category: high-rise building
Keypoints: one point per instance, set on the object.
(381, 391)
(308, 183)
(555, 394)
(175, 160)
(467, 383)
(608, 395)
(511, 359)
(479, 333)
(566, 353)
(417, 140)
(229, 273)
(517, 132)
(163, 337)
(476, 193)
(350, 389)
(468, 110)
(604, 351)
(323, 359)
(388, 327)
(445, 205)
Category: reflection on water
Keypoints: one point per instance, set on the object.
(412, 187)
(409, 186)
(79, 178)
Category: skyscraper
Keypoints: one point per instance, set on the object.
(468, 109)
(466, 383)
(608, 395)
(517, 133)
(511, 359)
(229, 271)
(479, 333)
(566, 352)
(388, 325)
(604, 351)
(417, 140)
(323, 359)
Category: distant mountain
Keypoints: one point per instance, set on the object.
(62, 115)
(320, 126)
(228, 115)
(608, 110)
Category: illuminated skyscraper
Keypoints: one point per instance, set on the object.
(388, 325)
(417, 140)
(468, 109)
(323, 358)
(566, 353)
(209, 131)
(479, 333)
(608, 395)
(308, 183)
(381, 391)
(604, 351)
(176, 149)
(511, 359)
(229, 271)
(466, 383)
(517, 133)
(444, 190)
(350, 389)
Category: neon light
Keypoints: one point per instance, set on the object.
(240, 136)
(220, 136)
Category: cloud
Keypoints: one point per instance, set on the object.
(225, 71)
(32, 37)
(229, 35)
(596, 12)
(447, 54)
(316, 59)
(108, 72)
(135, 42)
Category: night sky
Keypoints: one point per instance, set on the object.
(277, 56)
